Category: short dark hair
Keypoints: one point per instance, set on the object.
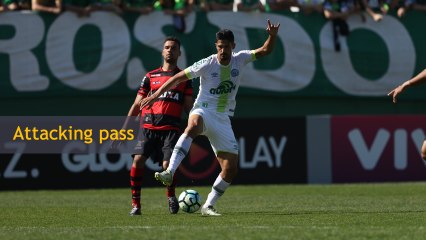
(225, 34)
(172, 38)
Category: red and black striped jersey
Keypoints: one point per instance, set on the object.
(165, 113)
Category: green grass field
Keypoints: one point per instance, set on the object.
(353, 211)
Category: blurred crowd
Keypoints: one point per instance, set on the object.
(336, 11)
(332, 9)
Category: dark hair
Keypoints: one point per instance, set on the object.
(172, 38)
(225, 34)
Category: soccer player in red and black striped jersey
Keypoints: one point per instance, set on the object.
(160, 125)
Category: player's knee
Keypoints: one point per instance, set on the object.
(192, 131)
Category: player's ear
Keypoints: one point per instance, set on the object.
(233, 45)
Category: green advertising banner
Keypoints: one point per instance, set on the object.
(94, 65)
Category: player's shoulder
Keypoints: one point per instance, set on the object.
(242, 52)
(205, 61)
(244, 56)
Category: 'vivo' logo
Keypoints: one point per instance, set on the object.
(369, 155)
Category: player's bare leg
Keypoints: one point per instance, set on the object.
(229, 164)
(424, 150)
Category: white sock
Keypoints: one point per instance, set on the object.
(179, 152)
(218, 189)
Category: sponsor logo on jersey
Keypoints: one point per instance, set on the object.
(156, 82)
(215, 75)
(156, 75)
(223, 88)
(235, 72)
(202, 61)
(170, 95)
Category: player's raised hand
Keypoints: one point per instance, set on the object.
(272, 29)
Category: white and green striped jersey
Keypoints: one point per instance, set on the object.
(219, 84)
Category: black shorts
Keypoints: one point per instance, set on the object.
(157, 144)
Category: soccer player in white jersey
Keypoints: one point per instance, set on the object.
(220, 76)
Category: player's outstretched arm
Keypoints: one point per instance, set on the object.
(419, 78)
(269, 44)
(173, 81)
(135, 108)
(133, 112)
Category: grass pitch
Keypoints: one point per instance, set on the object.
(353, 211)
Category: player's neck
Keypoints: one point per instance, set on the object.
(224, 62)
(168, 67)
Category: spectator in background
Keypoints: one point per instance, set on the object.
(49, 6)
(385, 6)
(3, 6)
(179, 9)
(182, 7)
(338, 11)
(248, 6)
(8, 5)
(375, 8)
(107, 5)
(309, 6)
(219, 5)
(80, 7)
(278, 5)
(200, 5)
(138, 6)
(24, 4)
(419, 5)
(404, 6)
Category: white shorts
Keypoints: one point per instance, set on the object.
(218, 129)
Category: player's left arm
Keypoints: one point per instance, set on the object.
(171, 82)
(269, 44)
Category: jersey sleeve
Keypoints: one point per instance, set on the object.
(145, 86)
(246, 56)
(197, 69)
